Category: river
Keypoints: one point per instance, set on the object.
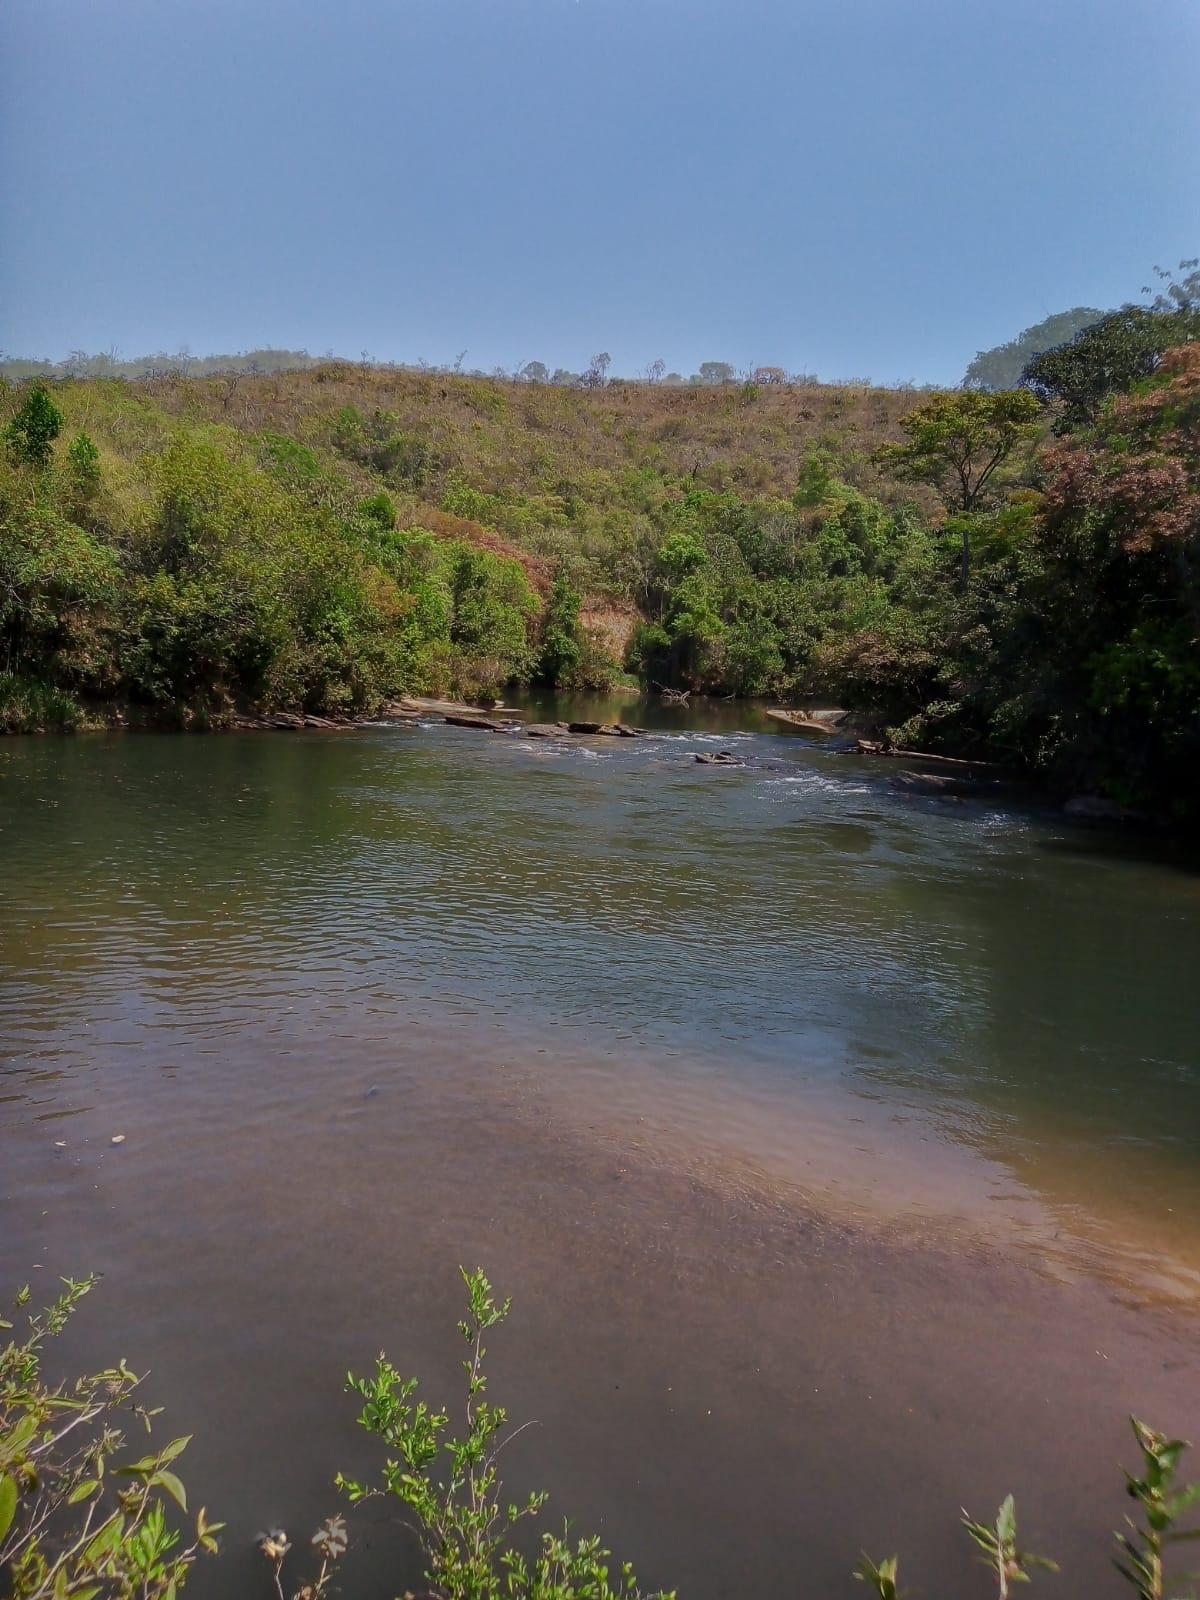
(839, 1147)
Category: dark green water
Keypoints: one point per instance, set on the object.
(803, 1119)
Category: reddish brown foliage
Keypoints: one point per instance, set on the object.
(1142, 469)
(538, 569)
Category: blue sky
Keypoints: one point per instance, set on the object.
(851, 187)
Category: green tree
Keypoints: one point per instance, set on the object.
(562, 643)
(958, 442)
(1178, 293)
(31, 433)
(1002, 366)
(1108, 358)
(379, 509)
(84, 463)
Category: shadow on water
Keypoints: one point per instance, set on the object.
(823, 1136)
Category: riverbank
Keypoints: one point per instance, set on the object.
(186, 544)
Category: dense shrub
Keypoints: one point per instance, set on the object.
(228, 583)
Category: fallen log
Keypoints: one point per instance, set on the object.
(944, 761)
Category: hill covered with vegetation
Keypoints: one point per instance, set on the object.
(1009, 575)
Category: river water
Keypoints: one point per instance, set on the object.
(839, 1148)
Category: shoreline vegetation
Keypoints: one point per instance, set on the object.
(1005, 577)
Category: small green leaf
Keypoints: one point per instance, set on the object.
(81, 1491)
(106, 1540)
(173, 1486)
(175, 1448)
(13, 1444)
(8, 1503)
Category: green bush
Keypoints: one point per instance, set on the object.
(83, 466)
(31, 433)
(451, 1485)
(562, 645)
(78, 1521)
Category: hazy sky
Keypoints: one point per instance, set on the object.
(852, 187)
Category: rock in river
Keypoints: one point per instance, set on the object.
(934, 783)
(488, 724)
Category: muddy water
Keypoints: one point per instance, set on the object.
(839, 1149)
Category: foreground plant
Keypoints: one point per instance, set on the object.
(450, 1483)
(329, 1542)
(1143, 1548)
(75, 1525)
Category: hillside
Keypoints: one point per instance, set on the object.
(557, 470)
(182, 547)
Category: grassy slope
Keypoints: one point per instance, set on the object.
(553, 470)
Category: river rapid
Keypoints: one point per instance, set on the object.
(839, 1147)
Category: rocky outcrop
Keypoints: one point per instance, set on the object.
(824, 722)
(290, 722)
(474, 720)
(451, 708)
(562, 730)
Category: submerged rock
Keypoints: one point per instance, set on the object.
(723, 758)
(1097, 808)
(934, 783)
(399, 711)
(545, 730)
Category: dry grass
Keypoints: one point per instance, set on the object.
(511, 439)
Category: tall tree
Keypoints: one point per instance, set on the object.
(596, 375)
(958, 442)
(1108, 358)
(31, 433)
(1002, 366)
